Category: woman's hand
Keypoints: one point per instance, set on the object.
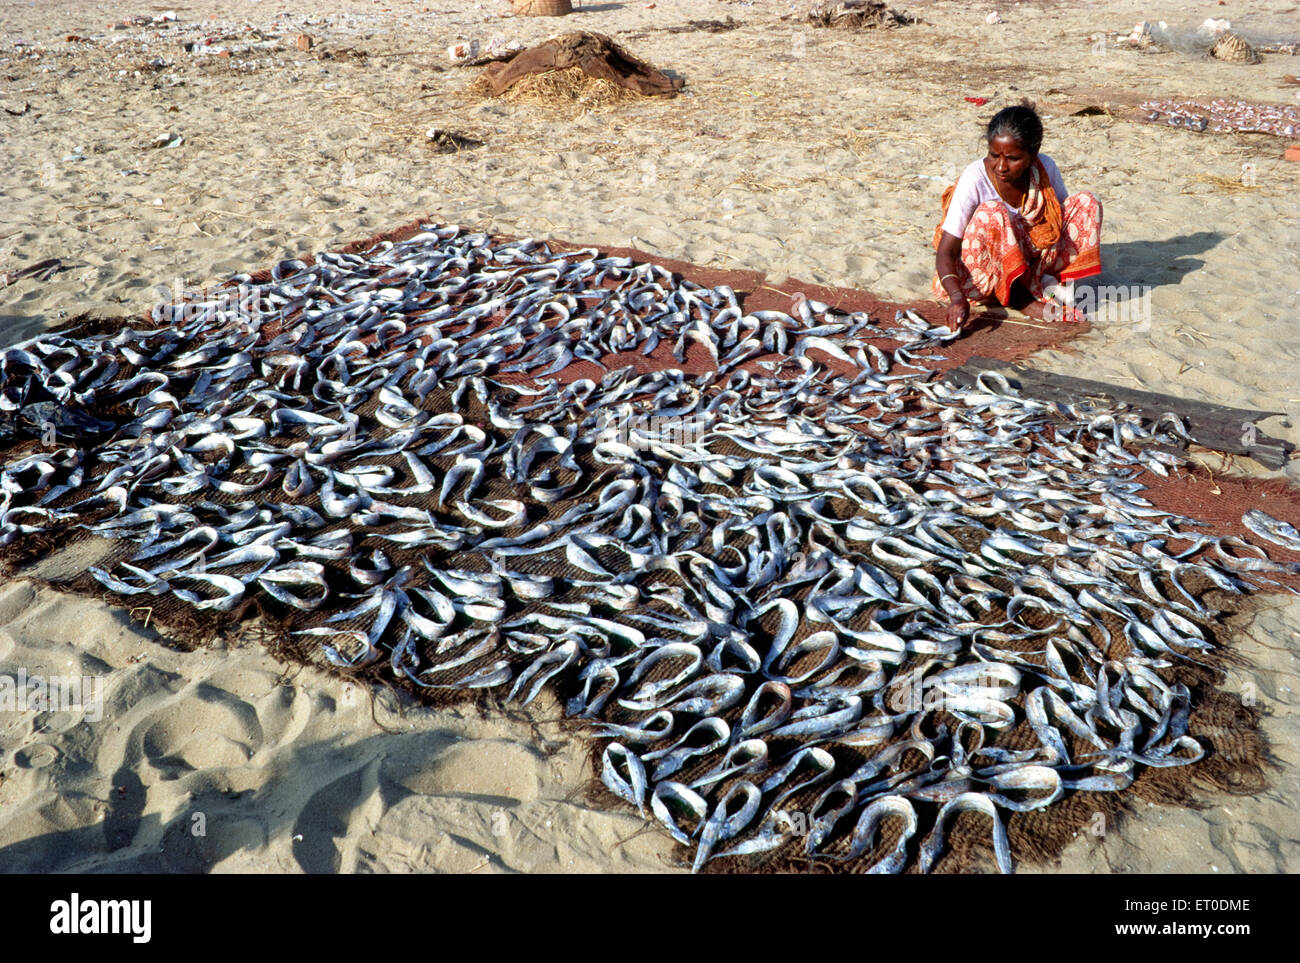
(958, 313)
(1054, 311)
(1070, 315)
(947, 265)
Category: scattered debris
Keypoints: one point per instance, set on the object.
(707, 26)
(1142, 37)
(344, 53)
(1214, 28)
(162, 20)
(1214, 37)
(304, 42)
(499, 49)
(499, 46)
(857, 15)
(17, 113)
(463, 52)
(167, 140)
(994, 18)
(450, 142)
(40, 271)
(204, 46)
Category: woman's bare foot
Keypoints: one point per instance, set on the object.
(1053, 311)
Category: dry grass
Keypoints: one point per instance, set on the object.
(570, 87)
(1224, 185)
(858, 16)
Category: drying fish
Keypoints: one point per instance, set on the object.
(1272, 530)
(364, 455)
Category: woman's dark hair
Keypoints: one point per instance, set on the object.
(1021, 122)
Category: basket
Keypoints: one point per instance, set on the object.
(541, 8)
(1234, 49)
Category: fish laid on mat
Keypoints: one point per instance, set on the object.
(1219, 115)
(814, 603)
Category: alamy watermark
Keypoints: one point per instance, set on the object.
(1114, 304)
(75, 916)
(57, 693)
(245, 302)
(641, 431)
(932, 694)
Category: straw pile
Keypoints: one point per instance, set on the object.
(569, 86)
(574, 68)
(858, 15)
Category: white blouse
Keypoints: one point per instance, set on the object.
(974, 188)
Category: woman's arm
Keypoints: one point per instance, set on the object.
(1058, 182)
(946, 259)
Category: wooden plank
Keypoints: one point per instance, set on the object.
(1220, 427)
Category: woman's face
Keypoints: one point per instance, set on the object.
(1009, 160)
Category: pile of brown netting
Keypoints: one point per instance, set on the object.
(575, 66)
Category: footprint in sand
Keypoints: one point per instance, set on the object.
(59, 722)
(37, 756)
(210, 729)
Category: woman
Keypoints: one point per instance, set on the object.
(1009, 224)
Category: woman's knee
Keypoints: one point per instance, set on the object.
(1085, 202)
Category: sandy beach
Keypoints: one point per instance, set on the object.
(811, 154)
